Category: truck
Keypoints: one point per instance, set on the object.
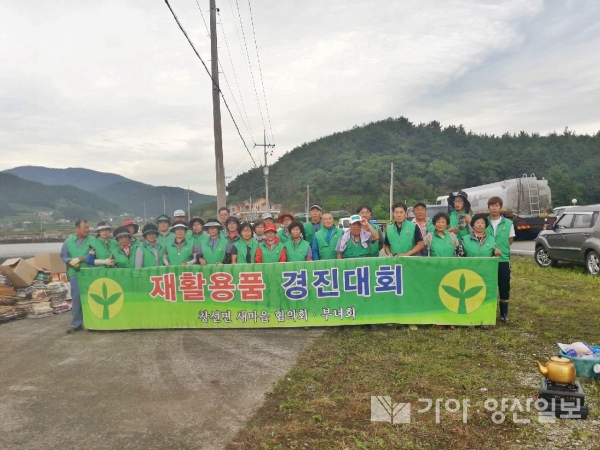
(527, 201)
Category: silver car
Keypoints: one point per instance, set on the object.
(574, 237)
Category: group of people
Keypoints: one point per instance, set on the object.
(225, 240)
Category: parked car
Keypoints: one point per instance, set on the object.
(560, 209)
(344, 223)
(574, 237)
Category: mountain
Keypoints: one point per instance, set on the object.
(127, 194)
(19, 195)
(352, 167)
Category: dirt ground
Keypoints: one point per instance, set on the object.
(156, 389)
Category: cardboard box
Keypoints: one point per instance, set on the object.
(19, 272)
(50, 262)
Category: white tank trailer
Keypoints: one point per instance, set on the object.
(527, 201)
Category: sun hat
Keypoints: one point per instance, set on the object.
(179, 225)
(283, 216)
(136, 227)
(163, 218)
(120, 232)
(462, 195)
(149, 228)
(212, 223)
(103, 226)
(195, 219)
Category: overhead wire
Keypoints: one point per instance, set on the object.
(215, 84)
(260, 72)
(249, 62)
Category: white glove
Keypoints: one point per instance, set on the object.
(104, 262)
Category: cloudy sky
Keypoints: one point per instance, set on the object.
(114, 86)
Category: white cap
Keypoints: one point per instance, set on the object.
(179, 213)
(355, 218)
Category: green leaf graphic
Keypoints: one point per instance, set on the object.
(462, 283)
(473, 291)
(451, 291)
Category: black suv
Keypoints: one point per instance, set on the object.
(574, 237)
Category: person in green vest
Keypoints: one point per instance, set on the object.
(356, 243)
(478, 244)
(297, 249)
(365, 212)
(441, 242)
(133, 228)
(164, 235)
(246, 246)
(270, 250)
(425, 225)
(283, 233)
(180, 217)
(231, 229)
(195, 225)
(180, 251)
(326, 239)
(125, 252)
(104, 246)
(151, 252)
(460, 214)
(402, 238)
(216, 249)
(74, 253)
(503, 231)
(316, 211)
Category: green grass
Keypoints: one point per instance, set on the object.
(324, 402)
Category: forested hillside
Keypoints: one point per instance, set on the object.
(19, 195)
(353, 166)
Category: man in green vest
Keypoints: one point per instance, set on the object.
(503, 231)
(316, 211)
(356, 243)
(164, 236)
(74, 253)
(326, 239)
(402, 238)
(365, 212)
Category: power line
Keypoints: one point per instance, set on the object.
(203, 19)
(235, 76)
(235, 101)
(211, 78)
(260, 72)
(249, 63)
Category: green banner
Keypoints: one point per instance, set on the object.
(407, 290)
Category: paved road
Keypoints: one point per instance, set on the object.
(522, 248)
(158, 389)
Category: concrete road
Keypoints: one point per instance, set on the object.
(159, 389)
(523, 248)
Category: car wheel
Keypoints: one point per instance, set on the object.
(592, 262)
(542, 258)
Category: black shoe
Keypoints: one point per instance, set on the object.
(74, 330)
(504, 318)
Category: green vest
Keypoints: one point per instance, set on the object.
(270, 255)
(216, 255)
(403, 242)
(327, 251)
(165, 239)
(439, 246)
(454, 222)
(182, 255)
(283, 236)
(473, 249)
(104, 248)
(76, 251)
(198, 238)
(153, 256)
(242, 248)
(296, 252)
(501, 236)
(309, 231)
(356, 250)
(122, 261)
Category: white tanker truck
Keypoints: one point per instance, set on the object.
(527, 201)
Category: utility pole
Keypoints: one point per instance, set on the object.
(307, 202)
(266, 168)
(391, 192)
(164, 205)
(189, 203)
(214, 62)
(144, 212)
